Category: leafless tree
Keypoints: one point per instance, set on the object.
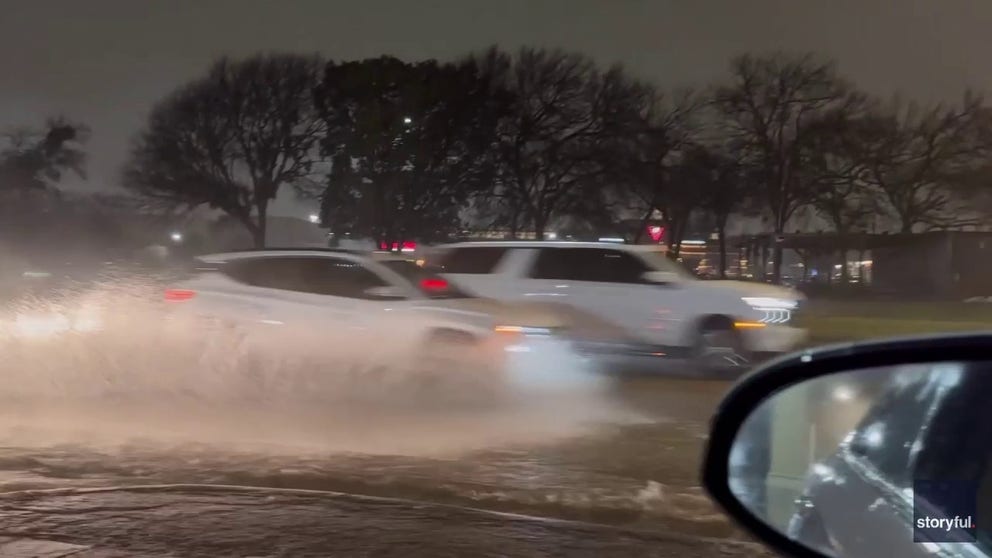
(552, 143)
(768, 106)
(232, 139)
(665, 126)
(920, 158)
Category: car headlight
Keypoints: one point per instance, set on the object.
(774, 310)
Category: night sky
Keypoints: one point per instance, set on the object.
(105, 62)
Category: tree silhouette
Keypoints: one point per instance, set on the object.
(768, 106)
(409, 144)
(232, 139)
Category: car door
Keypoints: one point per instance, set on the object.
(607, 283)
(316, 303)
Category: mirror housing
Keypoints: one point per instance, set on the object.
(960, 366)
(661, 277)
(385, 292)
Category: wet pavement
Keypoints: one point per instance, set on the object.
(631, 483)
(220, 521)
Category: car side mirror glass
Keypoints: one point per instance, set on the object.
(384, 292)
(860, 450)
(660, 277)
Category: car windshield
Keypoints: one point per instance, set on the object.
(636, 204)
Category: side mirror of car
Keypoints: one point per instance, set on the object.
(385, 292)
(800, 448)
(660, 277)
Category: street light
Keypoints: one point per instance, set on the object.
(176, 237)
(407, 120)
(314, 218)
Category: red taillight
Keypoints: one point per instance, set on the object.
(178, 295)
(433, 284)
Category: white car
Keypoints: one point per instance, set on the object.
(663, 309)
(344, 304)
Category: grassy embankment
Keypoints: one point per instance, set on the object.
(832, 321)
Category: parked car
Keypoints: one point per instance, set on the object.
(661, 309)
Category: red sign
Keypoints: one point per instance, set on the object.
(656, 232)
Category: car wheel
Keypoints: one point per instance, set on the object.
(719, 348)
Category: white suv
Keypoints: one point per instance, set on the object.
(343, 303)
(663, 309)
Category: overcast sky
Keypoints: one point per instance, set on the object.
(105, 62)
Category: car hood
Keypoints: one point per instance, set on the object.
(746, 288)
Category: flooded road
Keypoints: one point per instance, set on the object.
(207, 453)
(639, 474)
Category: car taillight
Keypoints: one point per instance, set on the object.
(178, 295)
(433, 284)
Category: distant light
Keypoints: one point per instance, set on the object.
(610, 239)
(656, 232)
(407, 120)
(176, 237)
(314, 218)
(552, 235)
(694, 242)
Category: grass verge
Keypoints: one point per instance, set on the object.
(836, 321)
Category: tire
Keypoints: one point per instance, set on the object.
(718, 348)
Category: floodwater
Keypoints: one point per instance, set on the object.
(125, 441)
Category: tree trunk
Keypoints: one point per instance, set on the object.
(777, 264)
(845, 275)
(721, 233)
(540, 223)
(262, 209)
(861, 266)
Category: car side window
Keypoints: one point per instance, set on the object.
(472, 260)
(317, 275)
(588, 264)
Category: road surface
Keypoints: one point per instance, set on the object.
(625, 482)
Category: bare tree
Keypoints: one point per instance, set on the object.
(232, 139)
(836, 166)
(768, 105)
(37, 160)
(919, 158)
(723, 185)
(666, 125)
(564, 112)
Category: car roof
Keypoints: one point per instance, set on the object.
(267, 252)
(547, 244)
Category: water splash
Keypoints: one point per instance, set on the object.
(133, 374)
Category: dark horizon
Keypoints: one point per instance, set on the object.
(106, 62)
